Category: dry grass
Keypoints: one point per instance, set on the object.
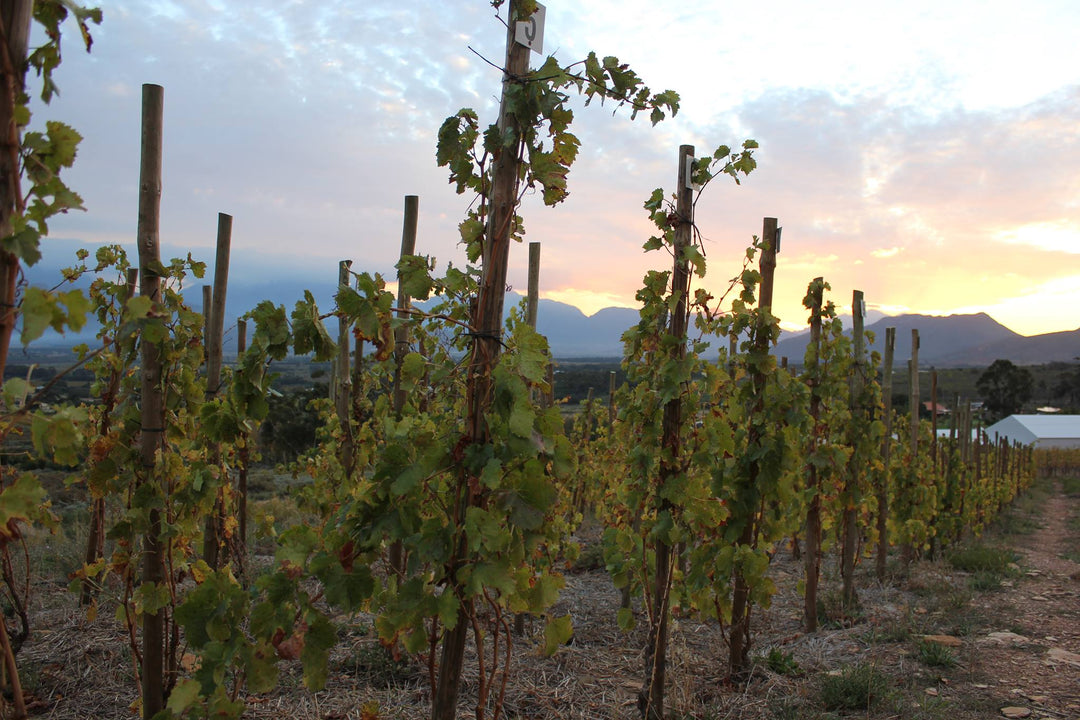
(74, 669)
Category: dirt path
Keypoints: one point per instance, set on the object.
(1034, 663)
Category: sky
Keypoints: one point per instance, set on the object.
(924, 152)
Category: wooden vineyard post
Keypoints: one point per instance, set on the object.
(651, 699)
(533, 300)
(401, 344)
(532, 304)
(547, 398)
(341, 382)
(935, 472)
(739, 649)
(813, 513)
(954, 420)
(207, 311)
(907, 551)
(933, 417)
(217, 315)
(16, 16)
(913, 368)
(611, 401)
(483, 356)
(214, 551)
(884, 480)
(153, 410)
(242, 471)
(401, 334)
(860, 415)
(965, 434)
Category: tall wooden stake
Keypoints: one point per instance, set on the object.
(813, 513)
(207, 311)
(611, 401)
(153, 410)
(886, 474)
(852, 476)
(739, 649)
(531, 309)
(486, 346)
(651, 699)
(242, 471)
(15, 18)
(214, 550)
(342, 381)
(907, 551)
(533, 300)
(401, 343)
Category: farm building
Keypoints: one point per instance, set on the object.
(1042, 431)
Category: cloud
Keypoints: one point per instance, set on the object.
(891, 171)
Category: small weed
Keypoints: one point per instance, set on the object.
(781, 663)
(964, 625)
(933, 654)
(787, 709)
(859, 687)
(1016, 522)
(892, 632)
(983, 558)
(374, 662)
(591, 557)
(984, 581)
(925, 707)
(1071, 486)
(833, 614)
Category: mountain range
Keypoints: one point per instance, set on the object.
(974, 340)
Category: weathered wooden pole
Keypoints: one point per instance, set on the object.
(907, 551)
(933, 417)
(342, 380)
(242, 471)
(404, 302)
(532, 304)
(935, 470)
(914, 387)
(215, 551)
(533, 300)
(813, 512)
(852, 477)
(886, 474)
(483, 356)
(651, 699)
(217, 316)
(401, 342)
(15, 15)
(611, 401)
(153, 409)
(739, 648)
(207, 311)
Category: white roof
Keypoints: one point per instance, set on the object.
(1027, 429)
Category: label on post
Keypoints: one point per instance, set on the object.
(530, 33)
(690, 172)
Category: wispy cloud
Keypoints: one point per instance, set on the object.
(929, 165)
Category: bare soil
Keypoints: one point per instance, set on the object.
(1016, 646)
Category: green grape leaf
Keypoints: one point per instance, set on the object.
(557, 632)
